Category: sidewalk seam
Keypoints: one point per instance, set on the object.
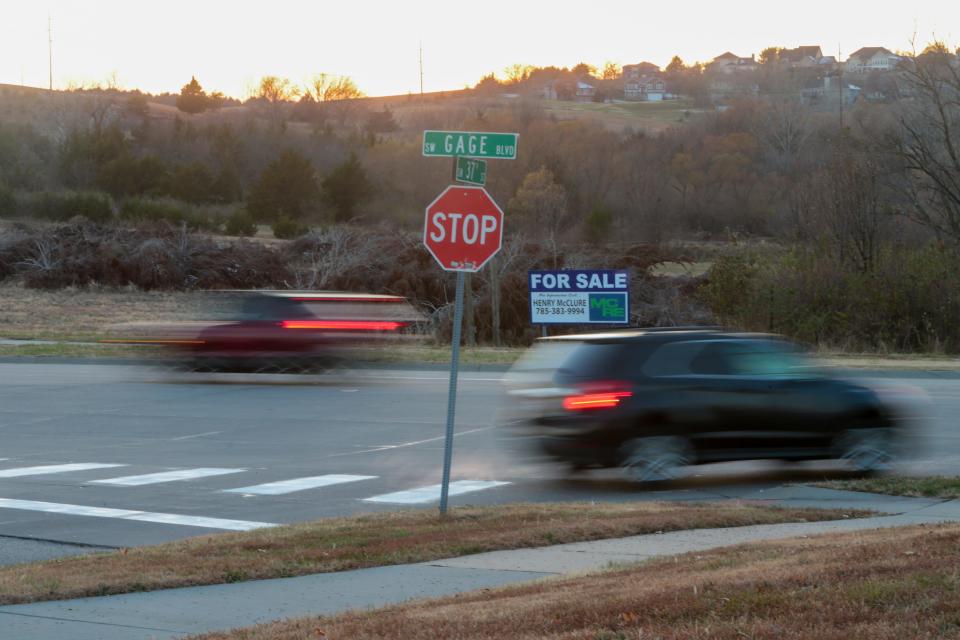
(102, 624)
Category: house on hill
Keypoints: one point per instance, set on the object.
(868, 59)
(650, 88)
(806, 57)
(639, 70)
(585, 92)
(731, 63)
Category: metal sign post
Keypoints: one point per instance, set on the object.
(452, 396)
(463, 230)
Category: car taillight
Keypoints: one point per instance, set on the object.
(343, 325)
(597, 396)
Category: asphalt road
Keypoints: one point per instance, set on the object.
(116, 455)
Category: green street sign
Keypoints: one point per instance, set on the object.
(450, 144)
(471, 171)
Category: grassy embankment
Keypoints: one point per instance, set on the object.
(874, 585)
(338, 544)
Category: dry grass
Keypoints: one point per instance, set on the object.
(875, 585)
(944, 487)
(85, 314)
(435, 354)
(72, 350)
(650, 116)
(367, 541)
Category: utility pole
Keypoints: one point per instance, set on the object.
(50, 51)
(421, 69)
(840, 83)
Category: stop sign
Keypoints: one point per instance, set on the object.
(463, 228)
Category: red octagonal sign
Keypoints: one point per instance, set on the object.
(463, 228)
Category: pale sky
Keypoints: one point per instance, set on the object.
(157, 46)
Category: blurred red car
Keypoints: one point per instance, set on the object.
(283, 331)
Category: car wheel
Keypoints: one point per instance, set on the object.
(867, 450)
(655, 458)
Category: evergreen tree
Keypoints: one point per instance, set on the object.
(346, 187)
(192, 98)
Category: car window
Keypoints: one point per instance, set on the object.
(716, 359)
(673, 358)
(727, 358)
(594, 360)
(770, 358)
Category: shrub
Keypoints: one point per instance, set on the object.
(60, 207)
(598, 224)
(287, 187)
(908, 302)
(127, 175)
(8, 203)
(192, 183)
(240, 223)
(346, 188)
(167, 210)
(287, 229)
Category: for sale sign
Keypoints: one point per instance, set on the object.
(579, 297)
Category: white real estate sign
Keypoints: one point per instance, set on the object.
(579, 297)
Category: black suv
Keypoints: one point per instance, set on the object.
(653, 400)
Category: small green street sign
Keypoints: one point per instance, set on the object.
(471, 171)
(450, 144)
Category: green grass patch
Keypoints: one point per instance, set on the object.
(944, 487)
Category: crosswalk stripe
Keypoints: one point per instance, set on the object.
(54, 468)
(432, 493)
(297, 484)
(166, 476)
(126, 514)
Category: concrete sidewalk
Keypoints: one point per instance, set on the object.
(176, 612)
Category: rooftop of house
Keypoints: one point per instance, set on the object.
(865, 53)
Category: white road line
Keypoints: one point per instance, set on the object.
(432, 493)
(54, 468)
(388, 447)
(196, 435)
(166, 476)
(126, 514)
(297, 484)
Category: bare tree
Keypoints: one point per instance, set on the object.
(276, 93)
(928, 143)
(516, 72)
(336, 95)
(783, 127)
(507, 259)
(540, 205)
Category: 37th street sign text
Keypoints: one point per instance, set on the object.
(470, 144)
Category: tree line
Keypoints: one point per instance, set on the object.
(833, 205)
